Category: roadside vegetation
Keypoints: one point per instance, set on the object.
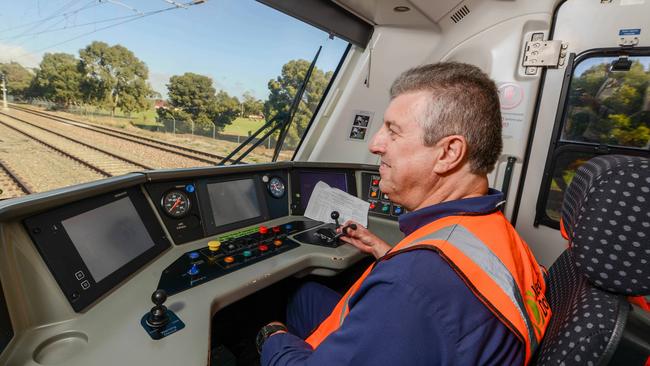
(110, 82)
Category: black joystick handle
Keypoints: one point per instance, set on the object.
(158, 317)
(344, 230)
(335, 216)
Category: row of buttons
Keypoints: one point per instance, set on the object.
(379, 201)
(79, 275)
(214, 246)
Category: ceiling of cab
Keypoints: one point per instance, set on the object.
(422, 13)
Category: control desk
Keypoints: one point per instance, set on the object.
(78, 266)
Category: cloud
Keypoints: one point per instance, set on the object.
(10, 52)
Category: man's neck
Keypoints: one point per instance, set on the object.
(456, 188)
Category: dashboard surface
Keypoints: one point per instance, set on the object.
(79, 265)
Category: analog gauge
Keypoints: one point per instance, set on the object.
(176, 204)
(276, 187)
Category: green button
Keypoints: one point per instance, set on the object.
(247, 253)
(385, 208)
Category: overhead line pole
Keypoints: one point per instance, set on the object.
(4, 92)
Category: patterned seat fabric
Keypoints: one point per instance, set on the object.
(607, 219)
(606, 213)
(586, 321)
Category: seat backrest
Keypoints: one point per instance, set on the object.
(607, 220)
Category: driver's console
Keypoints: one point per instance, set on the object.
(81, 266)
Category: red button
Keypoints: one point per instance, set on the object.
(264, 230)
(372, 206)
(375, 182)
(263, 248)
(276, 229)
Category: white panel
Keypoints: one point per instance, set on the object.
(584, 24)
(393, 51)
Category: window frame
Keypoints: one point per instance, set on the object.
(558, 146)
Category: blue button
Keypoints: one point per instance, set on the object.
(194, 270)
(398, 210)
(190, 188)
(288, 227)
(193, 255)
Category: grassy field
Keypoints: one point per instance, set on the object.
(241, 126)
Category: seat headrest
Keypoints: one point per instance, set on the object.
(606, 215)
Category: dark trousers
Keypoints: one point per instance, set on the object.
(309, 305)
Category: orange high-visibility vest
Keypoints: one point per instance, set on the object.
(494, 262)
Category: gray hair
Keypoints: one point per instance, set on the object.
(464, 101)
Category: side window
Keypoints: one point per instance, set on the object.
(606, 110)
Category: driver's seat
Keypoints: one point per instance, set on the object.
(606, 218)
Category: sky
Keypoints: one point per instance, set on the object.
(240, 44)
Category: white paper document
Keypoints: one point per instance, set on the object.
(325, 199)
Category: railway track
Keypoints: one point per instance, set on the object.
(202, 156)
(39, 165)
(101, 161)
(12, 185)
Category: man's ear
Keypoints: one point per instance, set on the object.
(452, 151)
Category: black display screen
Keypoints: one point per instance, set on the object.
(108, 237)
(91, 245)
(6, 331)
(234, 201)
(308, 181)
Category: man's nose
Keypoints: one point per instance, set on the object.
(377, 145)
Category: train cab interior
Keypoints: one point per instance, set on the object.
(80, 265)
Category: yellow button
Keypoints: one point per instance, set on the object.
(214, 245)
(277, 242)
(229, 259)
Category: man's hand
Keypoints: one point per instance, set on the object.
(364, 240)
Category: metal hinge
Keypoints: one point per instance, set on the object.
(540, 53)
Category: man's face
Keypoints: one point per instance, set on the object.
(406, 168)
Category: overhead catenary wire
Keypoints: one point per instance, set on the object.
(54, 15)
(143, 15)
(92, 4)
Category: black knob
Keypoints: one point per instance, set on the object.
(335, 216)
(158, 316)
(159, 297)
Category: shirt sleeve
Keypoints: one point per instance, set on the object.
(391, 316)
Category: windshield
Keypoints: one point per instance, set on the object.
(103, 88)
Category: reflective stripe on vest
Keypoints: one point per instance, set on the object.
(480, 254)
(498, 279)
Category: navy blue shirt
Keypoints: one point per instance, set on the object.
(411, 310)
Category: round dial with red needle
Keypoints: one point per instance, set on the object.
(176, 204)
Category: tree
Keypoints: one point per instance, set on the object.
(192, 96)
(283, 89)
(18, 79)
(225, 110)
(57, 79)
(252, 105)
(114, 77)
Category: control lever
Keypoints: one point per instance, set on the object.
(335, 216)
(158, 317)
(344, 230)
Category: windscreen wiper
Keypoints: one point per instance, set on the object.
(281, 121)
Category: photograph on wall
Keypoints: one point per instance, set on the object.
(360, 123)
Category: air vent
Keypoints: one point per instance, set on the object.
(460, 14)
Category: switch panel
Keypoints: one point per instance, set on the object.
(380, 203)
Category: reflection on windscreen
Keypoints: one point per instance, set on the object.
(609, 107)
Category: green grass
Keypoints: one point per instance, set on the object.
(241, 126)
